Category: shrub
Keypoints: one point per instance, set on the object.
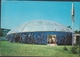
(73, 50)
(65, 48)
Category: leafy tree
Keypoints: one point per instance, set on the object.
(0, 32)
(69, 27)
(77, 31)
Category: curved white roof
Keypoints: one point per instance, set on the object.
(40, 25)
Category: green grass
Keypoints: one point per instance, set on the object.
(18, 49)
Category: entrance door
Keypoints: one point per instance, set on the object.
(51, 39)
(77, 39)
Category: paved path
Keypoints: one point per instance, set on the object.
(52, 44)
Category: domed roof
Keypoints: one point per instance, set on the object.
(40, 25)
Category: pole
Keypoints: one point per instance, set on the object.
(79, 40)
(72, 24)
(72, 33)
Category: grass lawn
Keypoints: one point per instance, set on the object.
(18, 49)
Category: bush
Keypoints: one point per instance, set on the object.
(65, 48)
(73, 50)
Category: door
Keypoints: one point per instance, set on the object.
(51, 39)
(77, 39)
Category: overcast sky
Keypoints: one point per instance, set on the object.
(14, 13)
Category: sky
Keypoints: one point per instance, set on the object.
(15, 13)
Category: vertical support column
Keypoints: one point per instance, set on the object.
(72, 33)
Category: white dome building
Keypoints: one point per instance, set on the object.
(41, 32)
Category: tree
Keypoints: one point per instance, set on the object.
(0, 32)
(77, 31)
(69, 27)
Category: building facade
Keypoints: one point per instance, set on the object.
(41, 32)
(76, 38)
